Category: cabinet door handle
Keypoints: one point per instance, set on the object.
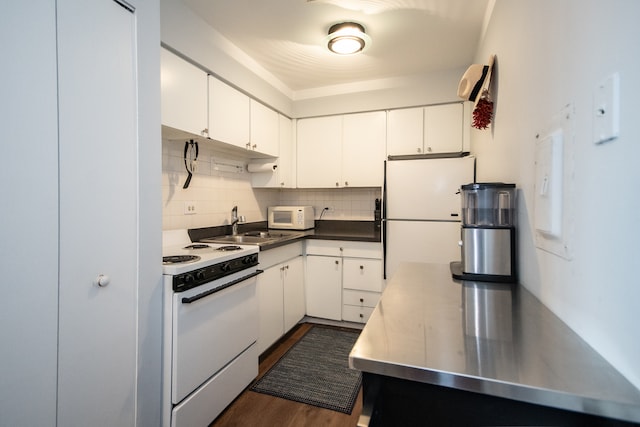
(419, 150)
(346, 183)
(361, 299)
(337, 262)
(361, 315)
(337, 184)
(362, 267)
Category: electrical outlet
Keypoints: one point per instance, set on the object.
(190, 208)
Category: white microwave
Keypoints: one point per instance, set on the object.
(291, 217)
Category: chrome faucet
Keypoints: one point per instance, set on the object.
(234, 220)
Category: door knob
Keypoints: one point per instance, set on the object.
(103, 280)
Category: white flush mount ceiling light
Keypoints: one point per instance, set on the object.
(347, 38)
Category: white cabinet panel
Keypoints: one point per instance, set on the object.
(98, 124)
(264, 131)
(229, 112)
(443, 128)
(361, 273)
(294, 300)
(358, 314)
(341, 151)
(427, 130)
(323, 283)
(405, 131)
(363, 149)
(284, 175)
(270, 307)
(184, 94)
(319, 152)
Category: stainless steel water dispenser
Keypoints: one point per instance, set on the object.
(488, 235)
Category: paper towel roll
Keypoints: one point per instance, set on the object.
(261, 167)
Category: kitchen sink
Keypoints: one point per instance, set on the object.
(254, 237)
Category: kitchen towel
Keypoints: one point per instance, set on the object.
(261, 167)
(316, 371)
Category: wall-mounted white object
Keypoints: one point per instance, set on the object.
(554, 181)
(548, 184)
(606, 105)
(227, 165)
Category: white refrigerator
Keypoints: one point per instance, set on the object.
(421, 210)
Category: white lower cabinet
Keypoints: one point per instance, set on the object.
(281, 299)
(361, 288)
(324, 286)
(343, 279)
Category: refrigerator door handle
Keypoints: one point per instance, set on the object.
(384, 223)
(384, 249)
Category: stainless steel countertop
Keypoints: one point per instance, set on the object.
(496, 339)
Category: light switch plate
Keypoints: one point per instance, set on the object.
(606, 114)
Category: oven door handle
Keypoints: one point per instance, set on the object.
(189, 300)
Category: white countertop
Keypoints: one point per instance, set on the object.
(496, 339)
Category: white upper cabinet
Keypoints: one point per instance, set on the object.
(341, 151)
(184, 94)
(229, 113)
(287, 158)
(284, 175)
(264, 130)
(427, 130)
(363, 148)
(319, 152)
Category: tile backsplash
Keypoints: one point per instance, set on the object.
(213, 193)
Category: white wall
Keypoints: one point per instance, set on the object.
(549, 54)
(214, 193)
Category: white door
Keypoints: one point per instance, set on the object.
(29, 234)
(98, 211)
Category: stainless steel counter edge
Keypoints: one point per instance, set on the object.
(497, 340)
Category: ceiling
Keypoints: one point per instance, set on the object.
(409, 37)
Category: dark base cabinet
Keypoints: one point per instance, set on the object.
(395, 402)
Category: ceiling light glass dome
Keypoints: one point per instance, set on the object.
(347, 38)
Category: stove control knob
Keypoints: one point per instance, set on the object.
(225, 267)
(200, 275)
(188, 278)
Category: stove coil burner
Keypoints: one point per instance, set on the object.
(197, 246)
(179, 259)
(228, 248)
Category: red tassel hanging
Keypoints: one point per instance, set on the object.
(483, 113)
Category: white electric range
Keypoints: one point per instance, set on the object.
(210, 327)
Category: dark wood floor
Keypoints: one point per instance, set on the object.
(257, 409)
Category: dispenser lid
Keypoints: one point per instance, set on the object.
(486, 185)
